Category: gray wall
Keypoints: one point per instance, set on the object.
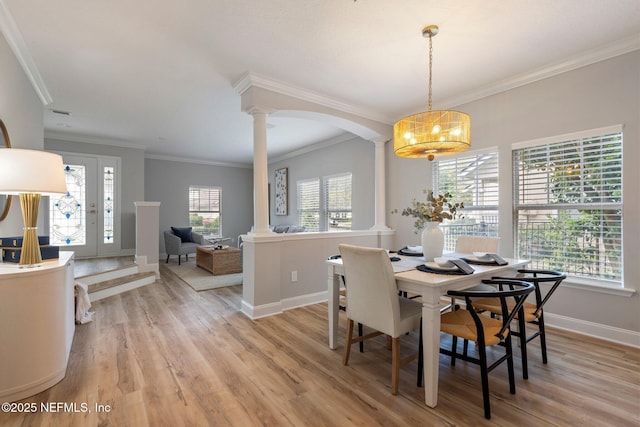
(355, 155)
(132, 184)
(168, 182)
(23, 114)
(598, 95)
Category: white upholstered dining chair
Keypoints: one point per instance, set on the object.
(471, 244)
(373, 300)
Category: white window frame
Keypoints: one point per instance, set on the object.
(211, 210)
(478, 218)
(569, 207)
(309, 188)
(318, 202)
(342, 215)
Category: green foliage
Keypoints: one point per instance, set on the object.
(433, 210)
(587, 172)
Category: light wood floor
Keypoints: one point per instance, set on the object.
(165, 355)
(85, 267)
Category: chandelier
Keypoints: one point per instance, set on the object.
(435, 131)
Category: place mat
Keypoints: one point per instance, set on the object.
(405, 252)
(463, 268)
(426, 269)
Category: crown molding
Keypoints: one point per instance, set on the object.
(250, 79)
(15, 41)
(345, 137)
(88, 139)
(198, 161)
(583, 59)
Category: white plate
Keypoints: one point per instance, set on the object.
(480, 255)
(479, 258)
(443, 262)
(432, 265)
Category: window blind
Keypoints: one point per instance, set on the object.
(473, 179)
(205, 209)
(568, 204)
(309, 204)
(337, 197)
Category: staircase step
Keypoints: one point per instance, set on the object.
(108, 275)
(117, 285)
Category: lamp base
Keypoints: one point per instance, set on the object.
(30, 255)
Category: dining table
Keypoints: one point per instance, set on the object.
(432, 287)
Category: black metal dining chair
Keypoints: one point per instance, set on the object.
(469, 324)
(533, 312)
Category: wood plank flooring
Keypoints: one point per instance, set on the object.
(165, 355)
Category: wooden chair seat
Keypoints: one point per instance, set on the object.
(461, 324)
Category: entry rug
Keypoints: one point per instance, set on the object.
(201, 280)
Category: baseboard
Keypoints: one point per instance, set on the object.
(596, 330)
(265, 310)
(302, 300)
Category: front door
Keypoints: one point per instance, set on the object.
(83, 219)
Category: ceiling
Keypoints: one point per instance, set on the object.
(161, 74)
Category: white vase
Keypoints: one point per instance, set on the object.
(432, 241)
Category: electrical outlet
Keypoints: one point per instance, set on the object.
(294, 276)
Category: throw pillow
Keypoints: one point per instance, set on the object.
(183, 233)
(280, 228)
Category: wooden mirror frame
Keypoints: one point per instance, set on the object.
(4, 210)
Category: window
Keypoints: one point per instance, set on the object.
(309, 204)
(568, 203)
(335, 200)
(108, 192)
(472, 179)
(204, 210)
(68, 212)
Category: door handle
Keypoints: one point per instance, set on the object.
(92, 211)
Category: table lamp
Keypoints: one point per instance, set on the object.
(31, 174)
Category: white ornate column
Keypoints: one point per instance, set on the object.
(260, 173)
(380, 180)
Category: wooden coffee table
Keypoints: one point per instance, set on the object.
(219, 261)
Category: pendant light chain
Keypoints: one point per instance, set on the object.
(430, 66)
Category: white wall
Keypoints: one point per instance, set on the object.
(602, 94)
(168, 182)
(354, 155)
(132, 183)
(23, 114)
(269, 261)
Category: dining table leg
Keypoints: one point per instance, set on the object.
(333, 288)
(431, 342)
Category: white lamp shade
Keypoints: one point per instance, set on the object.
(31, 171)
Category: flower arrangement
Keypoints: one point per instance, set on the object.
(433, 210)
